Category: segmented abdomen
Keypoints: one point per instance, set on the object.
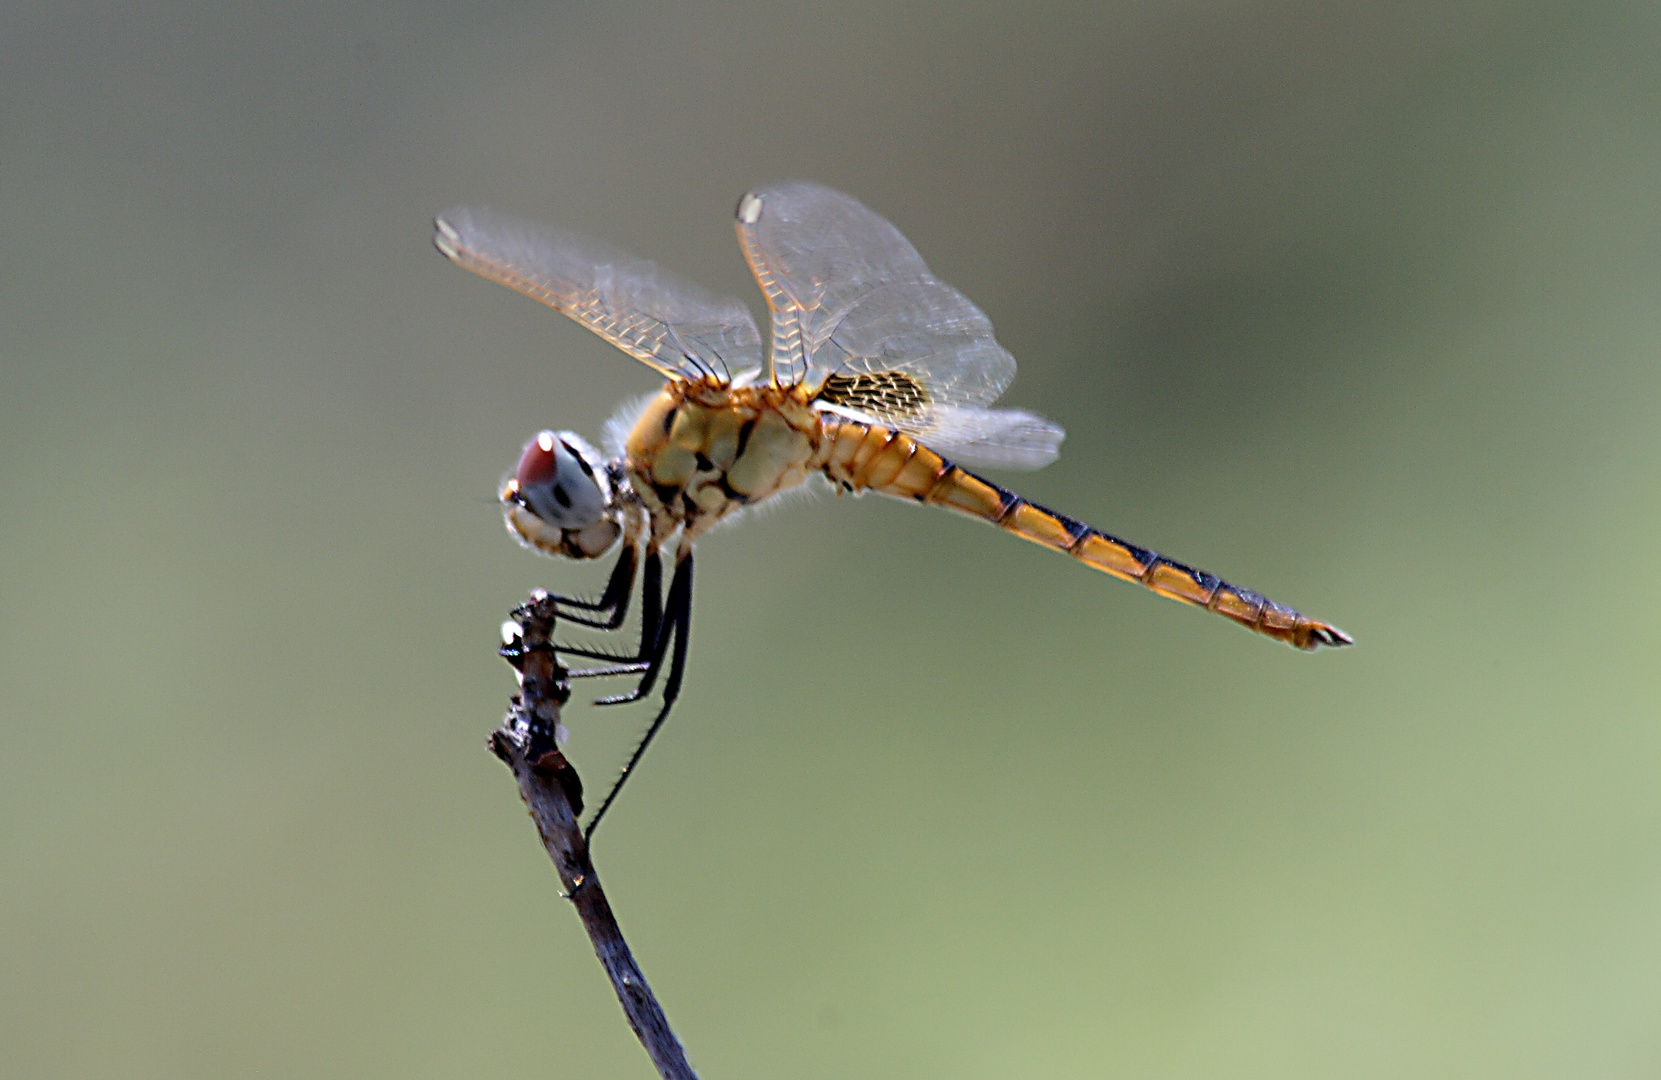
(862, 457)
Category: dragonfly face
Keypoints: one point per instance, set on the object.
(559, 499)
(877, 376)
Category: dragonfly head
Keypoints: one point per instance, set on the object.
(559, 500)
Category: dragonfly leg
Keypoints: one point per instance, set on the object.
(651, 621)
(680, 597)
(606, 672)
(613, 604)
(678, 622)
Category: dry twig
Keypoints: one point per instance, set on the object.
(553, 793)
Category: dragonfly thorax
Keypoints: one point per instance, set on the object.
(701, 451)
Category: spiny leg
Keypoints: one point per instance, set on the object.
(678, 622)
(654, 654)
(651, 621)
(615, 599)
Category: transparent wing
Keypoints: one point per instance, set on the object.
(653, 314)
(851, 297)
(993, 438)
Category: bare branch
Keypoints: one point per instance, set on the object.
(552, 791)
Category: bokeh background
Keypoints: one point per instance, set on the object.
(1358, 305)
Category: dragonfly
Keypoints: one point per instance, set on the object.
(877, 376)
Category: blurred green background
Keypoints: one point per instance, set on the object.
(1359, 306)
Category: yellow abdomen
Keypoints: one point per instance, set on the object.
(858, 457)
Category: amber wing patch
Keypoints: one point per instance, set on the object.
(886, 395)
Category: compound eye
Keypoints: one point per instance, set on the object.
(557, 485)
(540, 461)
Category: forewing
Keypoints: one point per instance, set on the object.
(653, 314)
(850, 296)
